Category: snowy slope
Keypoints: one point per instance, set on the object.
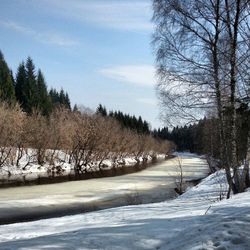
(196, 220)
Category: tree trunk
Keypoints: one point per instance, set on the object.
(246, 165)
(232, 26)
(223, 144)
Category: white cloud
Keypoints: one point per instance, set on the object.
(142, 75)
(123, 15)
(15, 26)
(148, 101)
(44, 37)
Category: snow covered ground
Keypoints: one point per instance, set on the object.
(195, 220)
(29, 169)
(153, 184)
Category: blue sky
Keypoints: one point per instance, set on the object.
(97, 50)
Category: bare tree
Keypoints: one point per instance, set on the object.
(11, 131)
(37, 136)
(179, 182)
(202, 49)
(109, 133)
(61, 132)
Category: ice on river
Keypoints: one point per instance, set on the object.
(152, 184)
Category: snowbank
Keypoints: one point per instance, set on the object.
(195, 220)
(29, 170)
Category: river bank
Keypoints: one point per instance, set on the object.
(36, 175)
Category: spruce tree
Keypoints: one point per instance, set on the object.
(55, 98)
(21, 79)
(101, 110)
(75, 108)
(145, 127)
(59, 98)
(7, 91)
(67, 101)
(62, 97)
(43, 100)
(139, 125)
(30, 87)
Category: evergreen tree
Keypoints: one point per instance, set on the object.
(111, 114)
(21, 79)
(55, 97)
(140, 125)
(60, 99)
(30, 87)
(7, 91)
(75, 108)
(126, 120)
(101, 110)
(145, 127)
(43, 100)
(64, 99)
(67, 101)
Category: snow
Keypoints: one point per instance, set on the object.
(195, 220)
(29, 169)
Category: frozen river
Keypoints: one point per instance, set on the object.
(153, 184)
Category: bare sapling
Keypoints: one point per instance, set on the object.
(179, 181)
(133, 198)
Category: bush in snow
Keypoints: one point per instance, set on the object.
(83, 140)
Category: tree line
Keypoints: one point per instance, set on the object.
(203, 137)
(29, 88)
(126, 120)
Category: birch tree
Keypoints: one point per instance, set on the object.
(202, 52)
